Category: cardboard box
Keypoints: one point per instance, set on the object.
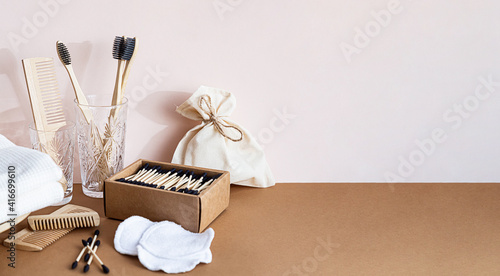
(193, 212)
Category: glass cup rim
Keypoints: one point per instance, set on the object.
(124, 102)
(70, 125)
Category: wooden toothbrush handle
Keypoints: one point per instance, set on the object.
(80, 97)
(128, 66)
(118, 86)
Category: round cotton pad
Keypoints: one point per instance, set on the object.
(155, 263)
(171, 248)
(129, 233)
(167, 239)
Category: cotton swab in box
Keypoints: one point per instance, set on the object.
(173, 180)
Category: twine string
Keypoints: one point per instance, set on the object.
(205, 100)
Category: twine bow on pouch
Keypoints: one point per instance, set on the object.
(206, 101)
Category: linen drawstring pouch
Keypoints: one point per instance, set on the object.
(219, 143)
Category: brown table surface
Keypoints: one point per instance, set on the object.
(318, 229)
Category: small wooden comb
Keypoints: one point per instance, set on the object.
(89, 218)
(29, 240)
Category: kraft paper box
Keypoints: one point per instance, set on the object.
(193, 212)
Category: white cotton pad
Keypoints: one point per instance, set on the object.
(155, 263)
(167, 239)
(171, 248)
(129, 233)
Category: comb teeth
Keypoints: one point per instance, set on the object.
(63, 53)
(41, 239)
(29, 240)
(118, 47)
(72, 219)
(61, 223)
(49, 92)
(128, 48)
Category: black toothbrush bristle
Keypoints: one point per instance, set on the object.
(63, 53)
(97, 243)
(118, 47)
(129, 47)
(105, 269)
(86, 268)
(74, 265)
(96, 232)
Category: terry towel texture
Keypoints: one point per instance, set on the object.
(36, 179)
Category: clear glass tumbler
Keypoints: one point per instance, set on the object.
(101, 130)
(60, 145)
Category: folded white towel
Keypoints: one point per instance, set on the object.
(36, 179)
(164, 245)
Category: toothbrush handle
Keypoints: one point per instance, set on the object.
(117, 92)
(80, 97)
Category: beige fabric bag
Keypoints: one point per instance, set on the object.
(218, 143)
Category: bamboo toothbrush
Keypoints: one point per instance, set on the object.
(129, 53)
(118, 48)
(65, 58)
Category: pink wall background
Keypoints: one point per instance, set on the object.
(365, 83)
